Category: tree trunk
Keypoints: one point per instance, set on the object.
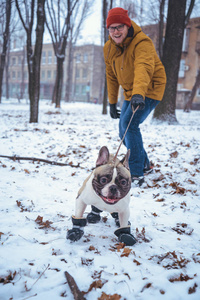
(161, 27)
(59, 82)
(5, 43)
(172, 50)
(68, 91)
(188, 105)
(22, 79)
(105, 95)
(105, 35)
(34, 67)
(7, 70)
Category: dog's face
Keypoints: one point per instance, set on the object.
(112, 179)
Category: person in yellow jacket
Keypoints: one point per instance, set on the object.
(132, 63)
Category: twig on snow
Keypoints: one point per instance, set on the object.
(54, 163)
(39, 277)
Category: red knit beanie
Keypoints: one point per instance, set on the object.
(118, 15)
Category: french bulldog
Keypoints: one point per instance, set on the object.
(107, 188)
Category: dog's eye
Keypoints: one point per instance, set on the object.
(123, 182)
(103, 180)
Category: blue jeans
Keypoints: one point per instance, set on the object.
(133, 140)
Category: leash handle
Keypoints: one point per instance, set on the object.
(134, 111)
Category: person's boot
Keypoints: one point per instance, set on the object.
(94, 215)
(124, 236)
(76, 232)
(137, 181)
(148, 169)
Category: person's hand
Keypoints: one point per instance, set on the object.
(137, 100)
(114, 112)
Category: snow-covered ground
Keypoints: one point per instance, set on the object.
(37, 201)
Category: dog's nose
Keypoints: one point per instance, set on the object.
(113, 189)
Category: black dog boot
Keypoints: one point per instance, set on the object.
(94, 215)
(116, 217)
(76, 232)
(124, 236)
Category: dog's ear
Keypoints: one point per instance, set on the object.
(124, 161)
(103, 157)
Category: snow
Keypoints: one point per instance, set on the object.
(38, 199)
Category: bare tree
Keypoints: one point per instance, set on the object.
(188, 105)
(172, 50)
(59, 38)
(6, 10)
(6, 75)
(107, 5)
(26, 10)
(76, 22)
(17, 38)
(161, 27)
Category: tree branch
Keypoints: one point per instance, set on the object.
(54, 163)
(73, 287)
(187, 17)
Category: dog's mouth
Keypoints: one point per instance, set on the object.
(109, 200)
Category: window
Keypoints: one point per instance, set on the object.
(84, 73)
(25, 74)
(19, 60)
(181, 73)
(13, 75)
(43, 74)
(54, 74)
(14, 61)
(83, 90)
(78, 73)
(48, 74)
(77, 89)
(186, 37)
(18, 74)
(78, 58)
(50, 57)
(85, 58)
(43, 58)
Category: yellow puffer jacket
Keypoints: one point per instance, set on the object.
(135, 65)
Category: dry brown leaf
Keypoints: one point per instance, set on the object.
(147, 286)
(126, 252)
(104, 296)
(9, 278)
(192, 289)
(174, 154)
(136, 262)
(46, 224)
(181, 277)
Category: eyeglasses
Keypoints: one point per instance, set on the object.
(118, 28)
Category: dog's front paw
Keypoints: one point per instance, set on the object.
(124, 236)
(75, 234)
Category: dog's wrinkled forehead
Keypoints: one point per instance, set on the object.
(109, 169)
(104, 169)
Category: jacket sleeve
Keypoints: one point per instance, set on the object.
(112, 82)
(143, 67)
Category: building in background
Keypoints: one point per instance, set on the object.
(87, 73)
(87, 69)
(190, 61)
